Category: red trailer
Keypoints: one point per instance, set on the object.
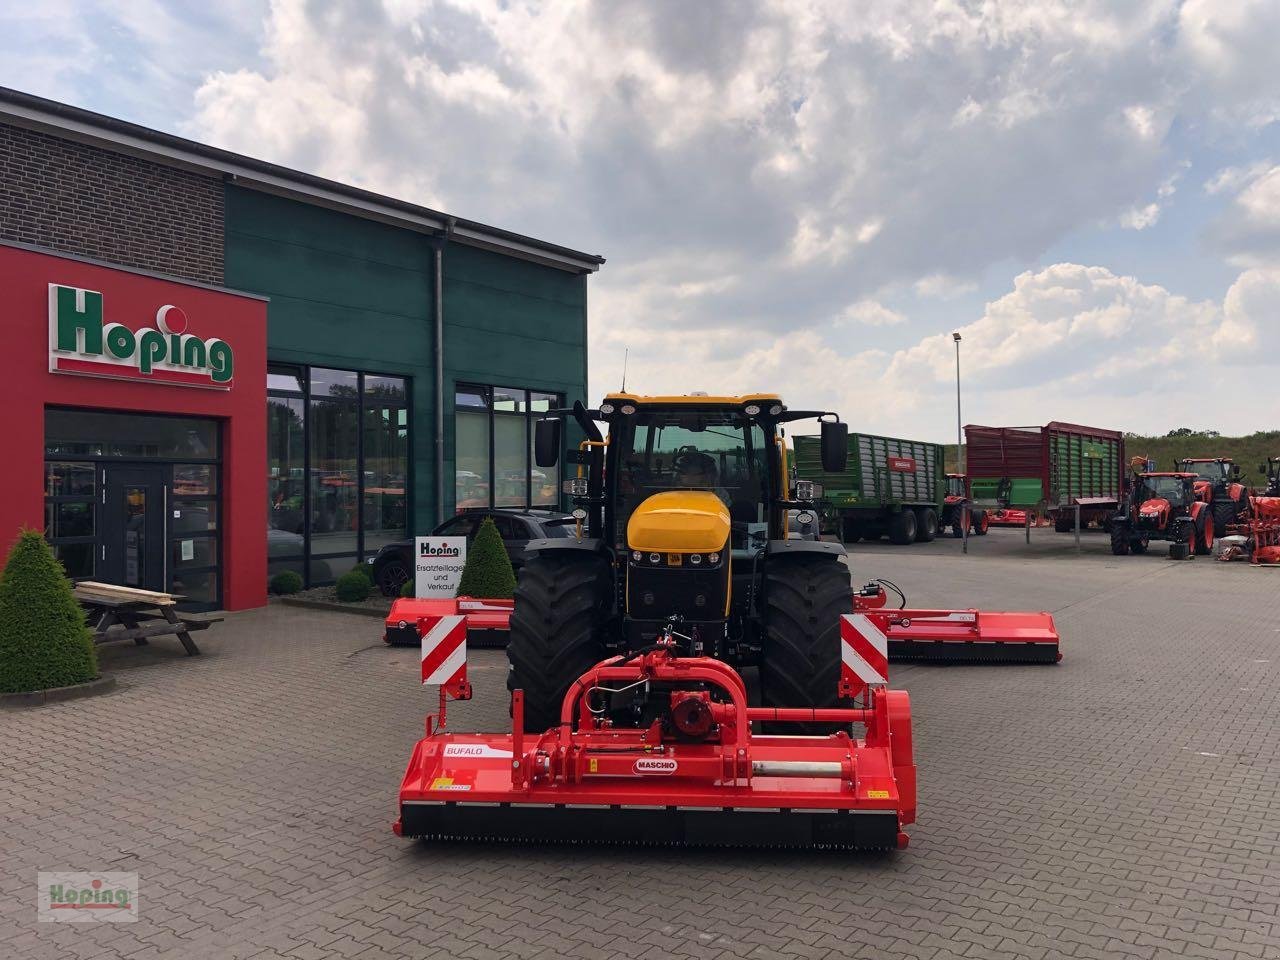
(1053, 469)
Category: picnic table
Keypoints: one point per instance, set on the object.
(127, 613)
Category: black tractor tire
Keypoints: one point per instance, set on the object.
(850, 532)
(1140, 545)
(1225, 513)
(957, 529)
(1064, 522)
(804, 597)
(902, 527)
(562, 602)
(926, 525)
(980, 524)
(1202, 535)
(1120, 542)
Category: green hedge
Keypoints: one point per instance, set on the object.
(488, 574)
(43, 638)
(352, 587)
(407, 588)
(286, 581)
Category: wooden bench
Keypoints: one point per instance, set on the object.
(127, 613)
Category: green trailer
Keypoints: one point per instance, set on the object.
(891, 487)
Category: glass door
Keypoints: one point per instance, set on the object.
(133, 548)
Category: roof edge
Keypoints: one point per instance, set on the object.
(50, 116)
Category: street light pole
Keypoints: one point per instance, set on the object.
(959, 438)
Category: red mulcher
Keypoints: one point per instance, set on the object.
(693, 771)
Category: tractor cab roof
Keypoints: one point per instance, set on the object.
(1206, 460)
(693, 399)
(1171, 473)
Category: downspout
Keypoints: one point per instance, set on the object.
(438, 291)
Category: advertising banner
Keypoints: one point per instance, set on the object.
(438, 563)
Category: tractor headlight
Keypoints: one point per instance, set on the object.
(713, 558)
(637, 556)
(403, 624)
(628, 409)
(575, 486)
(695, 558)
(655, 558)
(751, 410)
(808, 490)
(775, 410)
(606, 408)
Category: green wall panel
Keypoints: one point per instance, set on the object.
(357, 294)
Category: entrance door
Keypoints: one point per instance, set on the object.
(133, 526)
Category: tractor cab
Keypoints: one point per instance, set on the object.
(956, 487)
(1160, 496)
(1213, 476)
(684, 510)
(1163, 506)
(1270, 469)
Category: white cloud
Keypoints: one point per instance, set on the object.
(940, 286)
(870, 313)
(1139, 218)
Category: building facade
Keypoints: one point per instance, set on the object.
(405, 354)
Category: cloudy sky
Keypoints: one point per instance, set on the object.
(801, 196)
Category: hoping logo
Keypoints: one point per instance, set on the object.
(81, 342)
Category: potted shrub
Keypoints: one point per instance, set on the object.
(487, 574)
(44, 642)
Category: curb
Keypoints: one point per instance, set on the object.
(38, 698)
(334, 607)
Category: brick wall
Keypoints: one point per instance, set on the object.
(80, 199)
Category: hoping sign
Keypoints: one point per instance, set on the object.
(438, 563)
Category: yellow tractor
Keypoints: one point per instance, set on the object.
(683, 511)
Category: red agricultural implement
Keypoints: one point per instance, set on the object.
(958, 636)
(488, 621)
(660, 747)
(1012, 518)
(1218, 484)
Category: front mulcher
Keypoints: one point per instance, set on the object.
(661, 747)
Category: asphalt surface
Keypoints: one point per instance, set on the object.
(1125, 802)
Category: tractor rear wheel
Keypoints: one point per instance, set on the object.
(926, 525)
(1225, 513)
(804, 597)
(902, 527)
(1120, 542)
(561, 603)
(851, 532)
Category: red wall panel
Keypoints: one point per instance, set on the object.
(27, 387)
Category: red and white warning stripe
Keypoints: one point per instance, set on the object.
(864, 652)
(444, 649)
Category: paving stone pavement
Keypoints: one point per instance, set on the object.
(1125, 803)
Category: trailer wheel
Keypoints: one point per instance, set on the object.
(1120, 542)
(561, 602)
(804, 597)
(850, 531)
(902, 527)
(926, 525)
(1064, 523)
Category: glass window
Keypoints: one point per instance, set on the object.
(68, 519)
(284, 378)
(193, 552)
(195, 480)
(329, 569)
(339, 384)
(542, 402)
(286, 473)
(89, 433)
(510, 460)
(334, 487)
(471, 475)
(386, 466)
(457, 527)
(70, 479)
(194, 516)
(388, 389)
(198, 586)
(76, 558)
(509, 400)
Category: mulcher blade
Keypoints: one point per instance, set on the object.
(662, 826)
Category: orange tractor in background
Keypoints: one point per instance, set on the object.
(953, 509)
(1218, 484)
(1163, 506)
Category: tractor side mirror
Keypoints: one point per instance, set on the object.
(1262, 469)
(546, 442)
(835, 446)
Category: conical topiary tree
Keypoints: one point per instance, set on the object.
(487, 574)
(44, 642)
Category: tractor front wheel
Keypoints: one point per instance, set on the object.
(804, 597)
(1203, 535)
(981, 523)
(1225, 513)
(1139, 546)
(1120, 542)
(561, 603)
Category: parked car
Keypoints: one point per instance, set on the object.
(393, 564)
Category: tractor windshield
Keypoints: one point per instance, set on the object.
(1208, 470)
(1170, 488)
(720, 451)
